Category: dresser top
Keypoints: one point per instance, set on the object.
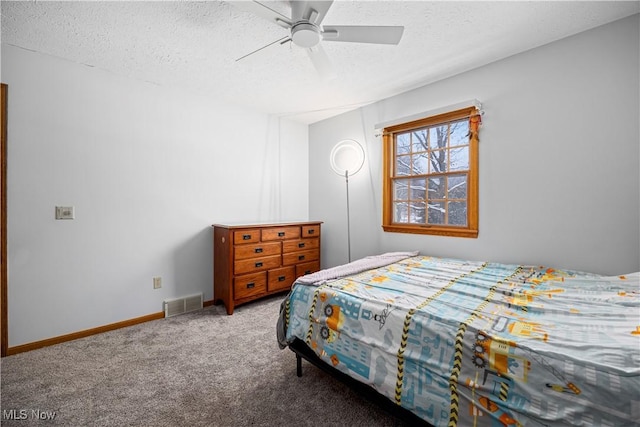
(266, 224)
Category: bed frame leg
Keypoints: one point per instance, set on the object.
(298, 365)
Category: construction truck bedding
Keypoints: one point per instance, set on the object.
(480, 344)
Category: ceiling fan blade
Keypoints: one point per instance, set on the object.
(362, 34)
(263, 11)
(312, 11)
(321, 62)
(281, 41)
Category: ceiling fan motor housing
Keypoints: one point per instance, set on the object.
(305, 34)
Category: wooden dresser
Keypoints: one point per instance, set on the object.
(255, 260)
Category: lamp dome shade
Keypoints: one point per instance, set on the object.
(347, 157)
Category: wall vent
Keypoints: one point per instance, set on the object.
(175, 306)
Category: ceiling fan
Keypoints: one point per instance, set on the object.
(307, 31)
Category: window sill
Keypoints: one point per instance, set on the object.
(432, 230)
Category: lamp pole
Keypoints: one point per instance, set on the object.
(346, 180)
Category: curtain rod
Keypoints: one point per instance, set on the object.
(460, 105)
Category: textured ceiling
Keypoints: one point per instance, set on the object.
(194, 45)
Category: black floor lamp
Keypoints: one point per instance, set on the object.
(347, 158)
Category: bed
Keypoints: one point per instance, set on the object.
(463, 343)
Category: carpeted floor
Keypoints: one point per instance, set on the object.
(199, 369)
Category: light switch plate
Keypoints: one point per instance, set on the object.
(65, 212)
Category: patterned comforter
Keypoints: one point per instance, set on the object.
(480, 344)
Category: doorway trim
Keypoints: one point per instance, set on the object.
(4, 330)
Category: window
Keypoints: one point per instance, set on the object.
(431, 175)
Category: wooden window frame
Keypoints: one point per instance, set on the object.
(389, 157)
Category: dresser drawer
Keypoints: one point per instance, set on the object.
(256, 264)
(300, 245)
(307, 268)
(246, 236)
(301, 256)
(249, 285)
(280, 278)
(256, 250)
(310, 230)
(280, 233)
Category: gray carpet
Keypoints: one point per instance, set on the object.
(199, 369)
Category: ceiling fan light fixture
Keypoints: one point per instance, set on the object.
(305, 34)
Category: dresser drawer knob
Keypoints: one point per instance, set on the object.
(307, 272)
(311, 231)
(281, 278)
(246, 237)
(258, 250)
(300, 257)
(258, 264)
(251, 285)
(301, 245)
(281, 234)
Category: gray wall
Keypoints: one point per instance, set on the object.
(559, 159)
(148, 169)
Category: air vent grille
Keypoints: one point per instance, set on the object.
(175, 306)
